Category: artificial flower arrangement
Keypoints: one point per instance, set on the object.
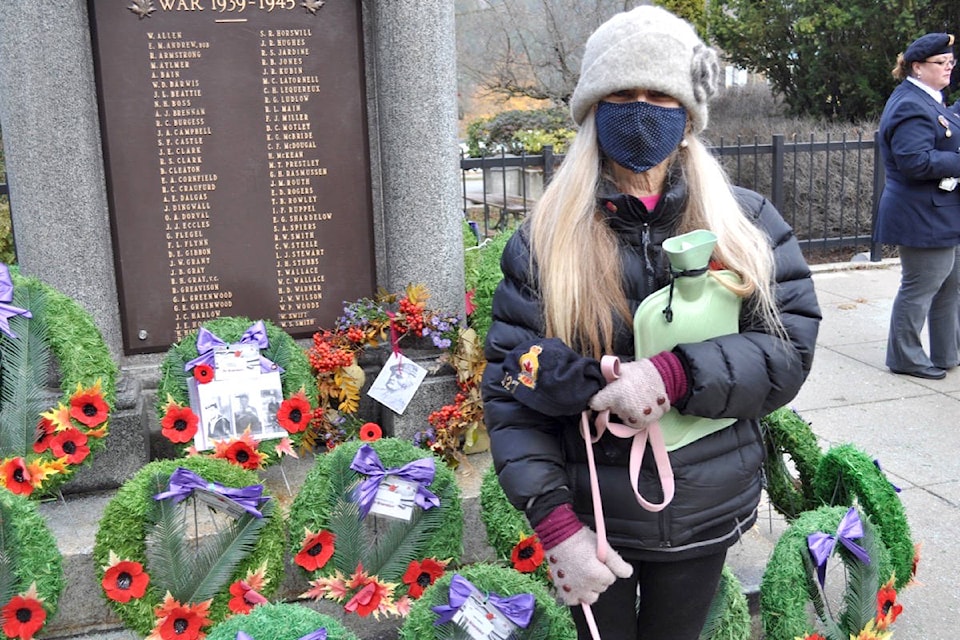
(387, 320)
(189, 377)
(42, 330)
(281, 621)
(517, 546)
(800, 573)
(533, 613)
(31, 574)
(374, 524)
(165, 580)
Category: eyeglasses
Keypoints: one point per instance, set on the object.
(949, 64)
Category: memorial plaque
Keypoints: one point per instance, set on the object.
(235, 143)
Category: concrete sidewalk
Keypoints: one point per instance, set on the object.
(911, 426)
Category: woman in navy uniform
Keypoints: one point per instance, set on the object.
(920, 208)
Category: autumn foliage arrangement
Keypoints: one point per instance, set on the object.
(387, 320)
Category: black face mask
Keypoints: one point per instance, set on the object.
(639, 135)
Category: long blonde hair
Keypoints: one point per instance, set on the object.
(576, 253)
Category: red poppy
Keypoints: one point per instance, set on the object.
(17, 477)
(294, 414)
(245, 598)
(421, 575)
(24, 615)
(124, 580)
(203, 373)
(367, 599)
(241, 453)
(88, 407)
(527, 555)
(179, 424)
(316, 550)
(887, 607)
(70, 444)
(371, 432)
(814, 636)
(177, 621)
(45, 430)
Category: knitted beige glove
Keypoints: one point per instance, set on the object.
(638, 396)
(577, 573)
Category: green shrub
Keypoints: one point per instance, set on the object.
(511, 131)
(482, 275)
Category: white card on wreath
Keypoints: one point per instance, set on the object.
(219, 502)
(482, 621)
(395, 498)
(397, 382)
(236, 361)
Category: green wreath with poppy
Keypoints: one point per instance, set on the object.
(789, 584)
(845, 473)
(550, 621)
(148, 596)
(179, 423)
(31, 567)
(510, 535)
(373, 565)
(786, 433)
(42, 446)
(508, 531)
(280, 621)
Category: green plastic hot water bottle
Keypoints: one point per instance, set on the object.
(693, 308)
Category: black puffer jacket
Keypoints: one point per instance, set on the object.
(537, 450)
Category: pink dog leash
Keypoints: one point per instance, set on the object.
(652, 434)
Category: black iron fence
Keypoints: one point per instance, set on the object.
(827, 190)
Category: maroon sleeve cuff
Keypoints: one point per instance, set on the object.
(674, 377)
(558, 526)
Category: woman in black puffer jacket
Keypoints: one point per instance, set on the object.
(575, 273)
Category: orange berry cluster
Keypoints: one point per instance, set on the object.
(444, 416)
(355, 334)
(324, 357)
(412, 315)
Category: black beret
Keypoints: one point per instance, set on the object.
(931, 44)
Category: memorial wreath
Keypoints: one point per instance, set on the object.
(170, 575)
(192, 362)
(797, 577)
(372, 560)
(44, 332)
(785, 433)
(511, 536)
(281, 621)
(31, 568)
(523, 600)
(845, 473)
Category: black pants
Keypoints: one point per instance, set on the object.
(674, 600)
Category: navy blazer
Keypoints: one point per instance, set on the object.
(920, 145)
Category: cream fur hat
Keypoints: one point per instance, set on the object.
(649, 48)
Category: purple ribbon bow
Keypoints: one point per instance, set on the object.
(518, 609)
(821, 544)
(207, 341)
(7, 310)
(368, 463)
(183, 482)
(319, 634)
